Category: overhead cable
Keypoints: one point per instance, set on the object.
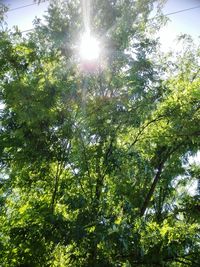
(165, 15)
(20, 7)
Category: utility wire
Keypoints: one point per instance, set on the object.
(165, 15)
(20, 7)
(16, 8)
(182, 10)
(168, 14)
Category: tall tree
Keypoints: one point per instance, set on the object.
(93, 153)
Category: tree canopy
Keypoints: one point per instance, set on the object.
(95, 162)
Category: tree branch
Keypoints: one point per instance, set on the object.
(152, 189)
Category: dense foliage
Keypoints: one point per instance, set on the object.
(94, 165)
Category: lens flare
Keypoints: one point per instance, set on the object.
(89, 47)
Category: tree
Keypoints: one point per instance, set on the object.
(90, 161)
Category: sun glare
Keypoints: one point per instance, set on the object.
(89, 47)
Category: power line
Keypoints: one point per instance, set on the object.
(20, 7)
(168, 14)
(165, 15)
(182, 10)
(16, 8)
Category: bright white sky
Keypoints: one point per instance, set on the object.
(23, 17)
(186, 22)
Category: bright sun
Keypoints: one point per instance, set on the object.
(89, 47)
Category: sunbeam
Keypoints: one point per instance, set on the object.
(89, 47)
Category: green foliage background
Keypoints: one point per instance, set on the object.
(94, 166)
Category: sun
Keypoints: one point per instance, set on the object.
(89, 47)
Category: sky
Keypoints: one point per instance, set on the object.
(185, 22)
(24, 17)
